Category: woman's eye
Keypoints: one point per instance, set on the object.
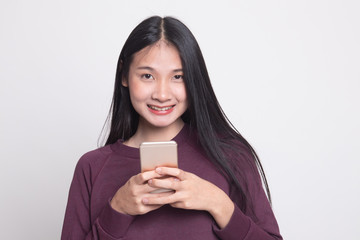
(147, 76)
(178, 77)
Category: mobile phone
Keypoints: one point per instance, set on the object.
(158, 154)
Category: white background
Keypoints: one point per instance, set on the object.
(287, 74)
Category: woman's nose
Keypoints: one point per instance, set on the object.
(162, 91)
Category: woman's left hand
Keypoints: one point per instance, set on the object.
(192, 192)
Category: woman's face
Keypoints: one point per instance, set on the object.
(156, 86)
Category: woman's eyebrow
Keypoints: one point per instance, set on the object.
(153, 70)
(145, 68)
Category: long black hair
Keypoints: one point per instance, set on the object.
(216, 134)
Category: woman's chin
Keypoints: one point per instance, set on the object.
(164, 123)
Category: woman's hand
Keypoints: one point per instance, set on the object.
(191, 192)
(128, 199)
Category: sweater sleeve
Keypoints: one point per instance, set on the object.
(109, 225)
(242, 227)
(260, 223)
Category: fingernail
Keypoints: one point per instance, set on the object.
(145, 200)
(150, 181)
(158, 170)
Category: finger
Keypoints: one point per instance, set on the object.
(169, 183)
(159, 198)
(145, 208)
(183, 205)
(143, 177)
(146, 188)
(175, 172)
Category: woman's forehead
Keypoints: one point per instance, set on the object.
(157, 55)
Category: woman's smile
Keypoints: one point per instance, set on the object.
(161, 110)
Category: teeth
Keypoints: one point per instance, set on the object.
(160, 109)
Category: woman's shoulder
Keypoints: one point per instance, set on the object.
(94, 159)
(96, 154)
(244, 159)
(237, 149)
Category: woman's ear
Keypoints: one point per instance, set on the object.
(124, 82)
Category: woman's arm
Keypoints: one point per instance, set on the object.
(113, 220)
(78, 224)
(192, 192)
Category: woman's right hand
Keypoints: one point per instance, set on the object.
(128, 199)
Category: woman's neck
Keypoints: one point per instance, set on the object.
(149, 133)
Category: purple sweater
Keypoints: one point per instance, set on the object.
(100, 173)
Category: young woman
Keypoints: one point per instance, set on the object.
(163, 92)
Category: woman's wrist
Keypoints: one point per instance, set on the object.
(116, 206)
(222, 210)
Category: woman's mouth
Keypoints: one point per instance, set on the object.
(161, 110)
